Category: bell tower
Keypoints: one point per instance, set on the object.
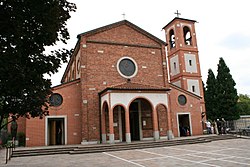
(183, 58)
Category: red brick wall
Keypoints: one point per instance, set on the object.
(192, 106)
(35, 128)
(162, 119)
(35, 132)
(123, 34)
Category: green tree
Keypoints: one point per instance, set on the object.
(26, 28)
(220, 94)
(210, 96)
(243, 104)
(226, 93)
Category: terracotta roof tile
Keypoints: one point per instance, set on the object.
(130, 85)
(135, 86)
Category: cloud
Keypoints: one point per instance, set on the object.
(236, 41)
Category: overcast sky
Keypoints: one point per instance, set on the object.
(222, 28)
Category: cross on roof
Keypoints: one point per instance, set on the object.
(123, 16)
(177, 13)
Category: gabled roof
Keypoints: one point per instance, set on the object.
(132, 86)
(178, 18)
(119, 23)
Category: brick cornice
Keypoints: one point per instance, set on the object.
(123, 44)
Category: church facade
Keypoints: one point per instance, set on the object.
(121, 85)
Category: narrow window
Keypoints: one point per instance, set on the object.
(69, 75)
(187, 36)
(73, 75)
(78, 66)
(193, 88)
(190, 62)
(175, 65)
(172, 39)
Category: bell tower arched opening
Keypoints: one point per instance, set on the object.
(172, 38)
(187, 36)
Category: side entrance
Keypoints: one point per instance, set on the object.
(55, 130)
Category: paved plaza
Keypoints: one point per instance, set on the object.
(224, 153)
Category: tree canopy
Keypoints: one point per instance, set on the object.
(226, 93)
(210, 96)
(243, 104)
(26, 28)
(221, 95)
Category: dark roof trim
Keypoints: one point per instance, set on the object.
(185, 91)
(178, 18)
(123, 44)
(76, 49)
(123, 22)
(66, 83)
(135, 89)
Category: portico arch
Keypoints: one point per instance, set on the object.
(143, 119)
(104, 121)
(162, 120)
(119, 123)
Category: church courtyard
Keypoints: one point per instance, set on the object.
(223, 153)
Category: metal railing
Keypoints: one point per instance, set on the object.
(10, 146)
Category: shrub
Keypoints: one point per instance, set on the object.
(4, 136)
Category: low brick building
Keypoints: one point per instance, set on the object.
(119, 86)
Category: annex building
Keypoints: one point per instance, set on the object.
(122, 84)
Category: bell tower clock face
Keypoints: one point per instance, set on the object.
(127, 67)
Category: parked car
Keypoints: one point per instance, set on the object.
(245, 131)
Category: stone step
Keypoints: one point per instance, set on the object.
(117, 146)
(131, 147)
(42, 151)
(221, 137)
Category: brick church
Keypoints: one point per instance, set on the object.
(121, 85)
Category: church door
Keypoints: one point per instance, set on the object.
(134, 121)
(56, 131)
(184, 125)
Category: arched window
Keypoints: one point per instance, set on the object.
(172, 38)
(187, 36)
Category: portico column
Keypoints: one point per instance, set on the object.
(104, 138)
(111, 127)
(127, 124)
(169, 127)
(155, 125)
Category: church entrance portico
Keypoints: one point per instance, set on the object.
(132, 115)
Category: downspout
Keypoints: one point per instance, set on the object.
(100, 118)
